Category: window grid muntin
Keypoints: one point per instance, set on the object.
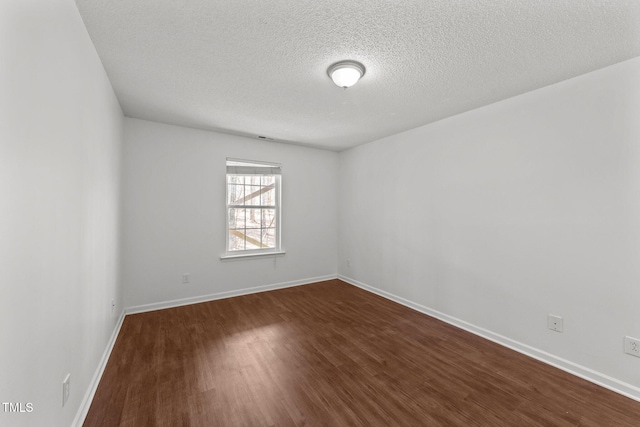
(239, 187)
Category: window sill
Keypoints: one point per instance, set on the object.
(251, 255)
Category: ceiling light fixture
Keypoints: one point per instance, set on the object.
(346, 73)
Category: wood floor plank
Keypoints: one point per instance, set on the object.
(330, 354)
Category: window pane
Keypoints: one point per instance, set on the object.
(236, 241)
(253, 218)
(268, 197)
(269, 237)
(268, 218)
(254, 239)
(235, 179)
(236, 193)
(236, 218)
(252, 196)
(268, 180)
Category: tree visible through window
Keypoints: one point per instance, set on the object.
(253, 208)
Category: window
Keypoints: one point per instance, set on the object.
(253, 207)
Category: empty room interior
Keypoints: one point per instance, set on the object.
(375, 213)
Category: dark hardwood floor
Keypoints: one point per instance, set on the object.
(331, 354)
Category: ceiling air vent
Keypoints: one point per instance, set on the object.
(266, 138)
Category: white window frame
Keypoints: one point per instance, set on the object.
(277, 250)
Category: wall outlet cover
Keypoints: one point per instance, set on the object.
(632, 346)
(555, 323)
(66, 389)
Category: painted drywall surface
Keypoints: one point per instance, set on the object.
(504, 214)
(60, 142)
(174, 213)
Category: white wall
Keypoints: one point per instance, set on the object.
(495, 217)
(504, 214)
(174, 213)
(60, 139)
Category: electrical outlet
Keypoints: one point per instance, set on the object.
(185, 278)
(555, 323)
(632, 346)
(66, 389)
(348, 262)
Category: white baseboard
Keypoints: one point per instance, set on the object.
(227, 294)
(588, 374)
(93, 386)
(583, 372)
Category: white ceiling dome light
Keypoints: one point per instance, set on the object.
(346, 73)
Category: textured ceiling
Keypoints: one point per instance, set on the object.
(256, 67)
